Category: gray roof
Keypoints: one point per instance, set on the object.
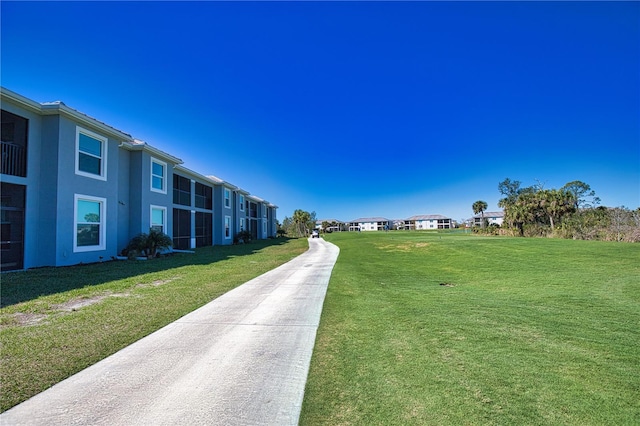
(489, 215)
(370, 219)
(329, 220)
(427, 217)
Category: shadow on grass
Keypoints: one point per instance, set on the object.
(18, 287)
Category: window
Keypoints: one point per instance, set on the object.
(264, 228)
(227, 198)
(181, 229)
(158, 218)
(204, 233)
(14, 144)
(91, 154)
(158, 176)
(241, 224)
(264, 210)
(241, 202)
(181, 190)
(204, 199)
(227, 227)
(89, 218)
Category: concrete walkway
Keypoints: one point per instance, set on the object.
(242, 359)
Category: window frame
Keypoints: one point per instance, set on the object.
(227, 227)
(103, 152)
(241, 202)
(102, 244)
(164, 217)
(226, 195)
(164, 176)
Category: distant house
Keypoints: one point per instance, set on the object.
(433, 221)
(370, 224)
(76, 190)
(492, 218)
(334, 225)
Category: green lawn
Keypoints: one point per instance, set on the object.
(439, 328)
(56, 321)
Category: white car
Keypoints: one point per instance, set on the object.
(315, 234)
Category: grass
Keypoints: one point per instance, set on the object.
(55, 322)
(435, 328)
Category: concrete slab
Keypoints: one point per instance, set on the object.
(242, 359)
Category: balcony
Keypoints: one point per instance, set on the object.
(14, 159)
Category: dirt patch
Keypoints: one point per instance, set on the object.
(405, 248)
(75, 304)
(157, 283)
(28, 319)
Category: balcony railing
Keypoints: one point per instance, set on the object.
(14, 159)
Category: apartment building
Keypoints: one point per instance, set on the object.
(76, 190)
(429, 221)
(370, 224)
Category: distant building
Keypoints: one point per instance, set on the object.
(432, 221)
(334, 225)
(492, 218)
(370, 224)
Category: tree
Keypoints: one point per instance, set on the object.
(510, 189)
(325, 225)
(581, 192)
(287, 225)
(301, 223)
(480, 207)
(555, 203)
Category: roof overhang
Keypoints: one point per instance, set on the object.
(137, 145)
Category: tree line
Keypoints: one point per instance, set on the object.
(299, 225)
(571, 211)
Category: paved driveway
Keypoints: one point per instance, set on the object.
(239, 360)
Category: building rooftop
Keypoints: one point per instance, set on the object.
(370, 219)
(427, 217)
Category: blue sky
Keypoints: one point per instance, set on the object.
(352, 109)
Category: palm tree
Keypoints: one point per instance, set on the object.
(157, 241)
(479, 207)
(301, 219)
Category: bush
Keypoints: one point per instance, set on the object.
(148, 244)
(242, 237)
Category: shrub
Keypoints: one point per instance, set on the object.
(243, 237)
(148, 244)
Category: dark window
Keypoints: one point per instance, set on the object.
(181, 229)
(181, 190)
(14, 144)
(11, 226)
(204, 197)
(204, 229)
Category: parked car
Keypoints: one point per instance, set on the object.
(315, 234)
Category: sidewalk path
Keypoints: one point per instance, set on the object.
(242, 359)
